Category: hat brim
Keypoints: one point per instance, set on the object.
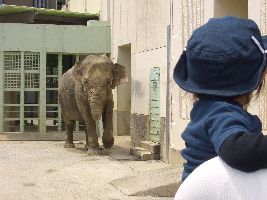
(181, 77)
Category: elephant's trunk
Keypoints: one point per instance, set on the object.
(96, 109)
(96, 115)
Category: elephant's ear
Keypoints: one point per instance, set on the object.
(119, 75)
(78, 68)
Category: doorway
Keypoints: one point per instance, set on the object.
(123, 112)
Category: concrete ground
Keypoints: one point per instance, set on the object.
(45, 170)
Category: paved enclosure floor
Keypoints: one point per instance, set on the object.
(45, 170)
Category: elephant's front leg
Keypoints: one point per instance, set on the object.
(91, 136)
(107, 117)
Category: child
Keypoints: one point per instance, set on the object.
(223, 63)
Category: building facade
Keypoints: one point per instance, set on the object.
(32, 62)
(148, 37)
(139, 42)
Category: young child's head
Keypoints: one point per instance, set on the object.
(225, 57)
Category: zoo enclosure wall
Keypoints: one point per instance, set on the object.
(32, 58)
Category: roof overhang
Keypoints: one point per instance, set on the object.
(30, 15)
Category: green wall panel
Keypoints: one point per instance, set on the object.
(45, 39)
(84, 39)
(55, 38)
(20, 37)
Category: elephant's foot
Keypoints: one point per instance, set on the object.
(108, 143)
(93, 151)
(87, 145)
(69, 145)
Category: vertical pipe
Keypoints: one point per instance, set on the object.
(77, 123)
(42, 91)
(168, 101)
(47, 4)
(85, 6)
(22, 88)
(2, 91)
(34, 3)
(108, 10)
(43, 3)
(59, 77)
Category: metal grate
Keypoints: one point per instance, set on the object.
(12, 61)
(12, 80)
(32, 61)
(31, 80)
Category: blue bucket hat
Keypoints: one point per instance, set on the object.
(224, 57)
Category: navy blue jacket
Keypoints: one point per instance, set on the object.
(220, 126)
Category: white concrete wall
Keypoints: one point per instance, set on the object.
(186, 16)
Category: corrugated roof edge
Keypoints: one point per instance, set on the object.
(13, 9)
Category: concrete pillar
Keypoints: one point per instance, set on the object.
(1, 91)
(42, 95)
(22, 88)
(59, 77)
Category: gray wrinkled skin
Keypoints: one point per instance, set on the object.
(85, 94)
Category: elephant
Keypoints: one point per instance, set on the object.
(85, 94)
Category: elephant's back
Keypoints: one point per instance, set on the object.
(66, 83)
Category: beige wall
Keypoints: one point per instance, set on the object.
(183, 22)
(105, 10)
(143, 63)
(84, 6)
(143, 24)
(257, 11)
(255, 5)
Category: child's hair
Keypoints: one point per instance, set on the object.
(248, 95)
(260, 88)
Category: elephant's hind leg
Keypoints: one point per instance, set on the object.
(69, 134)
